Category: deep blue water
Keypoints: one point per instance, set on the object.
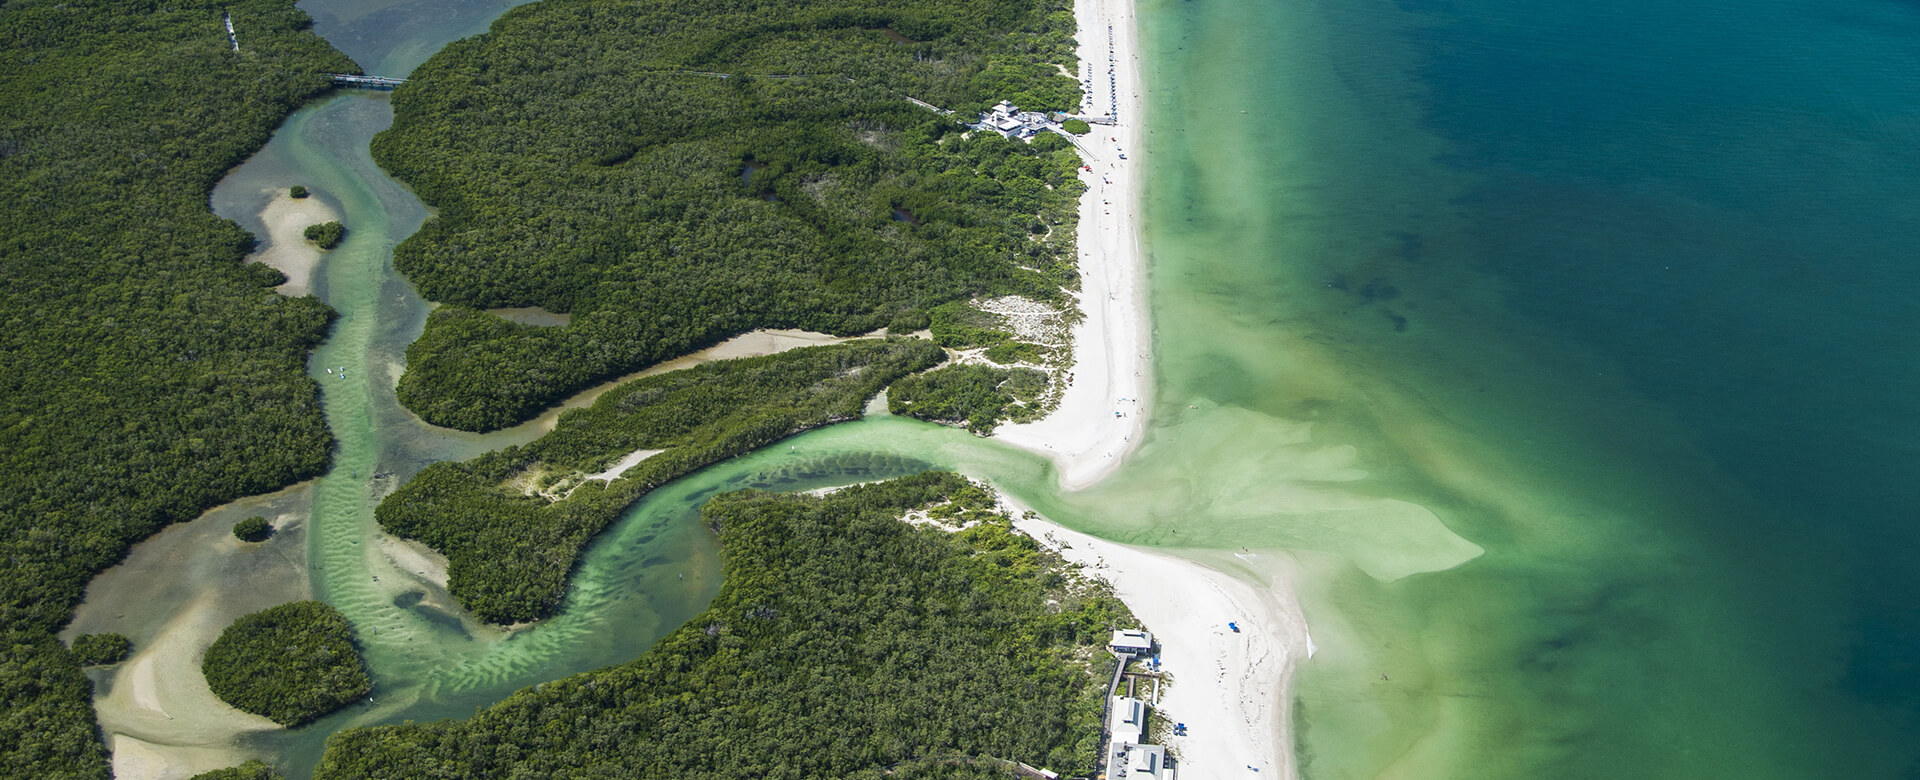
(1725, 198)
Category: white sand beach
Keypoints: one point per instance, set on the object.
(1229, 687)
(160, 695)
(1102, 412)
(286, 247)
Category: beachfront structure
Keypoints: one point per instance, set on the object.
(1008, 120)
(1131, 642)
(1127, 722)
(1144, 762)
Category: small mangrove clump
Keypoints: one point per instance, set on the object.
(326, 235)
(253, 529)
(291, 663)
(101, 649)
(298, 191)
(252, 770)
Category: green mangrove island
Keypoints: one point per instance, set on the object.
(291, 663)
(252, 770)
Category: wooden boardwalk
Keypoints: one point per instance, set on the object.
(366, 82)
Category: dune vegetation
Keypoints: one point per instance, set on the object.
(979, 397)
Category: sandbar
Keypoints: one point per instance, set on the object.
(286, 247)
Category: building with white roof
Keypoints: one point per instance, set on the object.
(1146, 762)
(1127, 722)
(1131, 642)
(1007, 119)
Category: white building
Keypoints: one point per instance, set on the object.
(1007, 119)
(1146, 762)
(1127, 722)
(1131, 642)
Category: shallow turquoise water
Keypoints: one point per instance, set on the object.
(1616, 290)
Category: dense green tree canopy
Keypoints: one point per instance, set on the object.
(99, 649)
(512, 522)
(252, 770)
(147, 374)
(979, 397)
(587, 156)
(253, 529)
(291, 663)
(842, 643)
(326, 235)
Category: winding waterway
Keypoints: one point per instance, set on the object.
(1403, 362)
(1209, 476)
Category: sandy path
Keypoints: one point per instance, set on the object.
(1230, 688)
(753, 344)
(625, 462)
(1102, 412)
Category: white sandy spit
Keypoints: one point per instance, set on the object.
(1101, 413)
(286, 246)
(1229, 688)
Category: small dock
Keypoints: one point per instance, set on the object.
(366, 82)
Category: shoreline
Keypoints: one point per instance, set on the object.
(1232, 689)
(1102, 411)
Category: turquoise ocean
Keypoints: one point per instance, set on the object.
(1623, 292)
